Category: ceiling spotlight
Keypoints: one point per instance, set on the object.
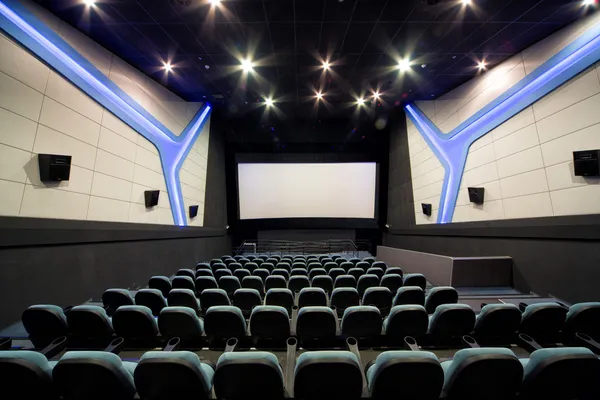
(214, 2)
(586, 3)
(319, 96)
(168, 67)
(404, 65)
(90, 3)
(247, 65)
(481, 65)
(466, 2)
(360, 101)
(376, 95)
(326, 66)
(269, 102)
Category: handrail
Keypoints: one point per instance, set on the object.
(274, 247)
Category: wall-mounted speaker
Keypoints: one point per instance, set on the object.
(587, 162)
(426, 209)
(151, 198)
(54, 168)
(193, 211)
(476, 195)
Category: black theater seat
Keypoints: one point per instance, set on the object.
(379, 264)
(316, 272)
(380, 297)
(392, 282)
(497, 321)
(90, 322)
(415, 280)
(184, 298)
(220, 273)
(114, 298)
(224, 322)
(316, 323)
(44, 323)
(229, 284)
(186, 272)
(440, 295)
(280, 297)
(344, 297)
(376, 271)
(161, 283)
(241, 274)
(543, 321)
(312, 297)
(135, 322)
(214, 297)
(406, 320)
(281, 272)
(365, 282)
(205, 282)
(204, 272)
(254, 282)
(335, 272)
(275, 282)
(151, 298)
(344, 281)
(270, 322)
(322, 281)
(451, 321)
(262, 273)
(182, 322)
(27, 372)
(297, 283)
(583, 318)
(356, 272)
(183, 282)
(246, 300)
(409, 295)
(394, 270)
(361, 322)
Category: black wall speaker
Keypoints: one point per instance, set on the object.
(193, 211)
(476, 195)
(151, 198)
(54, 168)
(587, 162)
(426, 209)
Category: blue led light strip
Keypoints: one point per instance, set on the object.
(452, 149)
(18, 22)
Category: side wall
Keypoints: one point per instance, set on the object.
(525, 165)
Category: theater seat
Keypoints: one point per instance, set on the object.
(246, 300)
(316, 272)
(312, 297)
(412, 375)
(183, 282)
(328, 375)
(186, 272)
(335, 272)
(346, 266)
(322, 281)
(406, 320)
(361, 322)
(344, 281)
(409, 295)
(392, 282)
(184, 298)
(299, 272)
(182, 322)
(214, 297)
(205, 282)
(161, 283)
(44, 323)
(451, 321)
(316, 323)
(330, 265)
(270, 322)
(218, 266)
(281, 272)
(543, 321)
(583, 318)
(394, 270)
(114, 298)
(26, 374)
(365, 282)
(151, 298)
(215, 261)
(379, 264)
(561, 374)
(497, 320)
(356, 273)
(241, 274)
(205, 266)
(440, 295)
(284, 266)
(340, 260)
(87, 322)
(234, 267)
(204, 272)
(369, 260)
(380, 297)
(251, 266)
(94, 375)
(134, 322)
(262, 273)
(248, 375)
(161, 375)
(275, 282)
(342, 298)
(482, 373)
(375, 271)
(243, 261)
(415, 280)
(220, 273)
(254, 282)
(224, 322)
(229, 284)
(354, 260)
(268, 266)
(363, 265)
(299, 265)
(280, 297)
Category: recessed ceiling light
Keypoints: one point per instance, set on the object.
(481, 65)
(466, 2)
(404, 65)
(319, 96)
(214, 2)
(167, 67)
(326, 66)
(247, 65)
(376, 95)
(269, 102)
(360, 101)
(90, 3)
(586, 3)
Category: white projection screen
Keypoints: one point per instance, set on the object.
(286, 190)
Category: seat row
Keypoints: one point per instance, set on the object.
(476, 373)
(272, 264)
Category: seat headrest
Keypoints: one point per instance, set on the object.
(328, 356)
(360, 309)
(184, 358)
(188, 292)
(179, 310)
(315, 309)
(270, 309)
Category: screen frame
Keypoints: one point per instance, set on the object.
(302, 222)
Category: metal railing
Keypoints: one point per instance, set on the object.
(281, 247)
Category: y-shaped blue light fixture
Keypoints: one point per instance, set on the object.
(19, 23)
(452, 149)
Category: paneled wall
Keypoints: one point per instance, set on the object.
(525, 165)
(112, 165)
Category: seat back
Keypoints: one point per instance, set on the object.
(361, 322)
(340, 260)
(328, 375)
(561, 374)
(184, 298)
(315, 323)
(394, 270)
(415, 280)
(281, 272)
(451, 321)
(29, 372)
(379, 264)
(204, 272)
(275, 282)
(356, 272)
(363, 265)
(172, 375)
(229, 284)
(280, 297)
(497, 320)
(251, 266)
(365, 282)
(151, 298)
(235, 266)
(214, 297)
(375, 271)
(246, 300)
(322, 281)
(369, 260)
(224, 322)
(440, 295)
(254, 282)
(299, 272)
(89, 322)
(543, 321)
(392, 282)
(205, 266)
(330, 265)
(354, 260)
(248, 375)
(284, 265)
(183, 282)
(312, 297)
(262, 273)
(316, 272)
(186, 272)
(218, 266)
(44, 323)
(411, 375)
(114, 298)
(409, 295)
(345, 281)
(346, 266)
(205, 282)
(241, 274)
(96, 375)
(270, 322)
(180, 322)
(221, 272)
(496, 372)
(335, 272)
(161, 283)
(406, 320)
(135, 322)
(269, 266)
(344, 297)
(380, 297)
(583, 318)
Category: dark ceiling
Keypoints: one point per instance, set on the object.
(289, 39)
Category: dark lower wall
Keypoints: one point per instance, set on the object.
(307, 235)
(215, 201)
(68, 262)
(557, 256)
